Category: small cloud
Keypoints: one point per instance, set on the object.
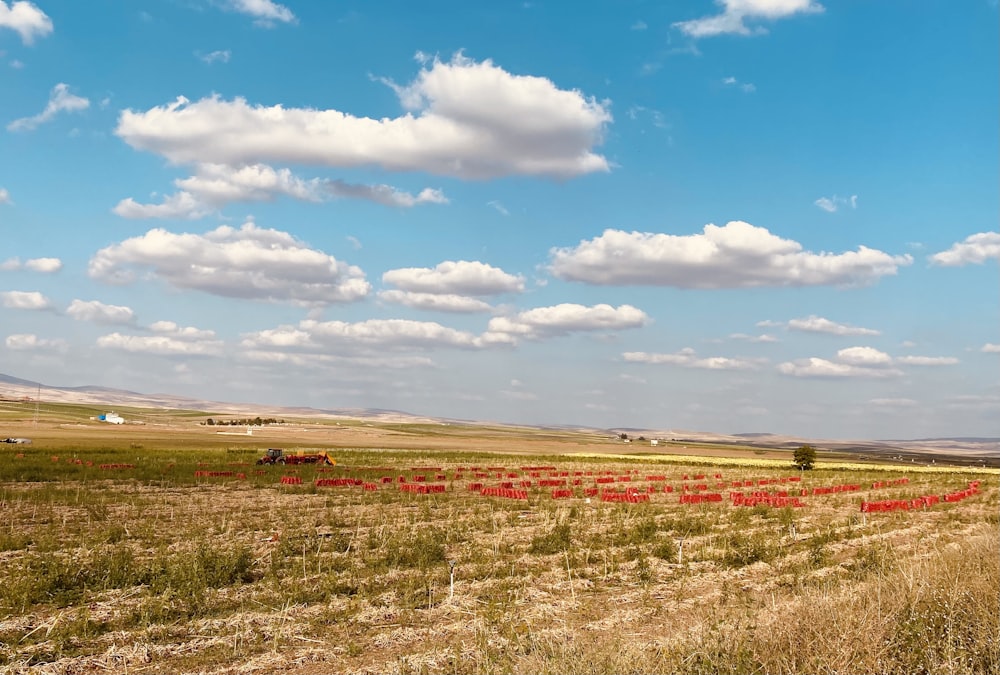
(60, 100)
(500, 208)
(745, 87)
(264, 12)
(832, 204)
(32, 300)
(5, 196)
(753, 338)
(990, 348)
(43, 265)
(818, 324)
(736, 13)
(218, 56)
(927, 360)
(639, 25)
(354, 242)
(975, 249)
(16, 64)
(908, 344)
(31, 342)
(688, 359)
(640, 113)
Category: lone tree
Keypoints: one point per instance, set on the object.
(804, 457)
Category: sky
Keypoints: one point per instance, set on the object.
(733, 216)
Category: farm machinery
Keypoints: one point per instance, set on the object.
(278, 456)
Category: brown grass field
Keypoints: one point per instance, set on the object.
(151, 568)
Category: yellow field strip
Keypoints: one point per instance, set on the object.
(773, 463)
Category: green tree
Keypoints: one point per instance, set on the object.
(804, 457)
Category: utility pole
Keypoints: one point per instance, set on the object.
(38, 397)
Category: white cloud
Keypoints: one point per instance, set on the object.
(161, 345)
(313, 361)
(371, 336)
(249, 262)
(736, 12)
(43, 265)
(753, 338)
(5, 196)
(98, 312)
(976, 249)
(179, 206)
(816, 367)
(462, 277)
(385, 194)
(463, 119)
(639, 25)
(266, 12)
(927, 360)
(30, 342)
(990, 348)
(831, 204)
(24, 300)
(447, 302)
(219, 184)
(219, 55)
(171, 329)
(863, 356)
(865, 362)
(736, 255)
(687, 358)
(500, 208)
(745, 87)
(542, 322)
(60, 100)
(215, 185)
(817, 324)
(26, 19)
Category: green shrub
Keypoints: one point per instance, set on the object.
(666, 549)
(555, 541)
(742, 550)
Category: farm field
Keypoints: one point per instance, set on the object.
(166, 549)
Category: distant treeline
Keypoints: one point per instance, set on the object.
(244, 422)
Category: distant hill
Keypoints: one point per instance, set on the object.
(970, 449)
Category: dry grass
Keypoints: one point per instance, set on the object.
(153, 571)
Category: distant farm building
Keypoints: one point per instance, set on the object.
(111, 418)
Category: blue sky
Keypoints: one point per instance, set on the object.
(732, 216)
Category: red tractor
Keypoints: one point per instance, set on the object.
(278, 456)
